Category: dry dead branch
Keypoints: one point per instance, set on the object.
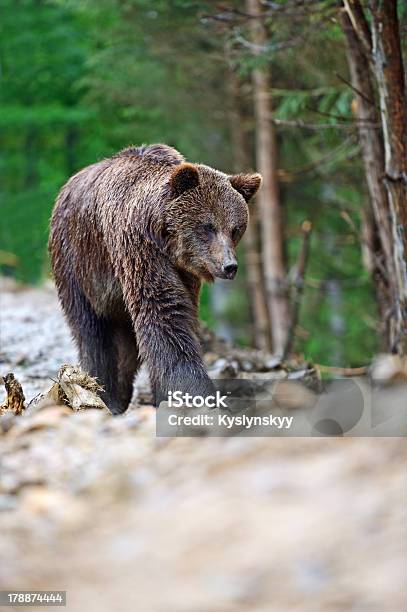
(73, 388)
(77, 389)
(15, 397)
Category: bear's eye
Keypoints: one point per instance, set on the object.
(209, 228)
(236, 231)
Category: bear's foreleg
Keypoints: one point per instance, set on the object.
(164, 318)
(173, 365)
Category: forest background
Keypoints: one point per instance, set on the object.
(80, 79)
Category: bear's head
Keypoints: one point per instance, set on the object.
(206, 216)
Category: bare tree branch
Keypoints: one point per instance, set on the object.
(320, 126)
(360, 93)
(359, 22)
(340, 117)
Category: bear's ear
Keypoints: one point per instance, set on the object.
(184, 177)
(246, 184)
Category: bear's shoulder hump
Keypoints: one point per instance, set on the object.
(160, 153)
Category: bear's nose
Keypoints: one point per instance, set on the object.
(230, 270)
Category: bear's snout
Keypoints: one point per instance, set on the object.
(230, 270)
(223, 257)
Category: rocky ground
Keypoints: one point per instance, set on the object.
(122, 520)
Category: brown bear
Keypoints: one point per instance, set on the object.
(132, 237)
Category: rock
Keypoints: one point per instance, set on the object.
(223, 368)
(49, 417)
(6, 422)
(41, 501)
(388, 368)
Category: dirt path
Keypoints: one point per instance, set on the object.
(35, 340)
(99, 507)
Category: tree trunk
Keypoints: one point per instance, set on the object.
(389, 73)
(254, 273)
(376, 227)
(298, 284)
(269, 200)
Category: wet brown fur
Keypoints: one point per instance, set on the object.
(130, 242)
